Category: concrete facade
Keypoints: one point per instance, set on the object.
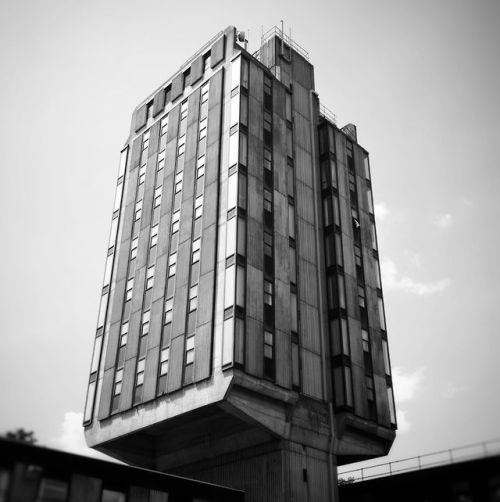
(241, 337)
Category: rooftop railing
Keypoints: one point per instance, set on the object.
(443, 457)
(275, 31)
(328, 114)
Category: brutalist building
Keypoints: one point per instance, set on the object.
(241, 337)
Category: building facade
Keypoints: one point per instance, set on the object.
(241, 335)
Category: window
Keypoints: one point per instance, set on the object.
(145, 140)
(244, 73)
(164, 127)
(172, 264)
(112, 496)
(190, 350)
(198, 207)
(175, 221)
(293, 266)
(366, 166)
(178, 181)
(244, 109)
(291, 221)
(138, 209)
(268, 100)
(142, 174)
(196, 250)
(233, 149)
(169, 305)
(235, 73)
(381, 313)
(230, 237)
(241, 236)
(124, 334)
(200, 167)
(229, 287)
(52, 490)
(392, 408)
(268, 244)
(146, 316)
(268, 293)
(187, 78)
(161, 161)
(150, 277)
(235, 110)
(164, 355)
(385, 351)
(289, 142)
(293, 312)
(232, 191)
(157, 196)
(184, 109)
(268, 354)
(133, 248)
(268, 159)
(193, 298)
(288, 106)
(204, 92)
(130, 287)
(206, 62)
(365, 340)
(140, 371)
(268, 201)
(361, 297)
(118, 382)
(240, 286)
(203, 129)
(154, 236)
(181, 145)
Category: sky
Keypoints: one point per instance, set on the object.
(420, 80)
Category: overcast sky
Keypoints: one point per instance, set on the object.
(421, 80)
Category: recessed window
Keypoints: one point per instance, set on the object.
(361, 297)
(157, 196)
(206, 62)
(164, 356)
(200, 167)
(178, 181)
(161, 161)
(204, 92)
(184, 109)
(291, 221)
(118, 382)
(193, 298)
(142, 174)
(169, 305)
(140, 372)
(150, 277)
(198, 207)
(138, 209)
(196, 250)
(154, 236)
(145, 140)
(190, 350)
(268, 244)
(203, 129)
(124, 334)
(172, 264)
(268, 293)
(181, 145)
(175, 221)
(164, 126)
(268, 201)
(268, 159)
(365, 340)
(130, 287)
(133, 248)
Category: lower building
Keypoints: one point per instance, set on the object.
(476, 480)
(31, 473)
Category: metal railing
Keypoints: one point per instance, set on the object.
(443, 457)
(328, 114)
(275, 31)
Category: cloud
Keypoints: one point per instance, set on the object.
(404, 425)
(381, 211)
(71, 438)
(451, 390)
(444, 220)
(407, 386)
(392, 280)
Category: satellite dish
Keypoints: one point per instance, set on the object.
(241, 36)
